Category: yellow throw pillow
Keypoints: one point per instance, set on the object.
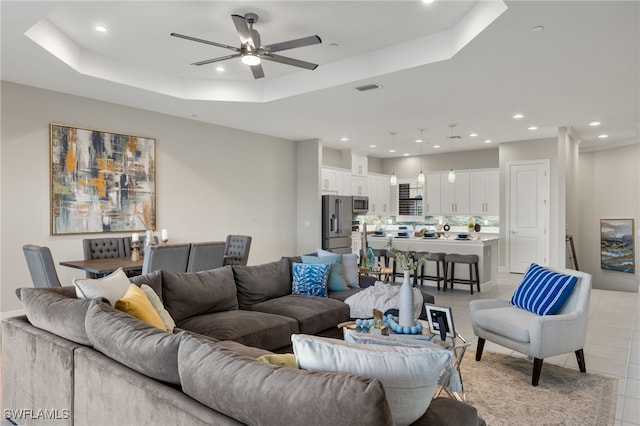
(136, 303)
(281, 360)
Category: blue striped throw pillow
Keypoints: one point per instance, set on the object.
(542, 291)
(310, 279)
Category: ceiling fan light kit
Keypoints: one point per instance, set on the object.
(251, 51)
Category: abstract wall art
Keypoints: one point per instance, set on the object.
(101, 181)
(617, 245)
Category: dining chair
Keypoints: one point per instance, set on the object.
(236, 249)
(102, 248)
(41, 267)
(168, 257)
(206, 256)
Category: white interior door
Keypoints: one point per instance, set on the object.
(528, 215)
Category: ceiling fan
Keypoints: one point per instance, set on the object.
(251, 51)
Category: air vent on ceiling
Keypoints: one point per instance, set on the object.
(366, 87)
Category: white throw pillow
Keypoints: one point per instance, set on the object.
(349, 266)
(112, 287)
(409, 374)
(153, 297)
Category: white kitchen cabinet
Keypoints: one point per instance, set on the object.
(336, 181)
(359, 185)
(455, 196)
(484, 196)
(379, 195)
(359, 165)
(432, 204)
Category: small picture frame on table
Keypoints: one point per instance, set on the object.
(440, 321)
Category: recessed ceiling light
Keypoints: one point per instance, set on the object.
(419, 140)
(344, 139)
(436, 146)
(220, 69)
(427, 1)
(532, 128)
(517, 116)
(392, 150)
(488, 141)
(603, 136)
(473, 135)
(406, 154)
(372, 146)
(334, 45)
(537, 28)
(101, 28)
(594, 123)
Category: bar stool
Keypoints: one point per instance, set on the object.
(450, 266)
(439, 259)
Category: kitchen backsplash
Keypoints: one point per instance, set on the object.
(485, 221)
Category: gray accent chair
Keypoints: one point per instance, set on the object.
(41, 266)
(206, 256)
(168, 257)
(236, 250)
(102, 248)
(537, 336)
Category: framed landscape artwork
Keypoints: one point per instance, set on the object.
(101, 181)
(617, 245)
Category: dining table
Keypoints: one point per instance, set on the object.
(106, 266)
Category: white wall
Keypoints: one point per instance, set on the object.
(211, 180)
(309, 223)
(408, 167)
(609, 182)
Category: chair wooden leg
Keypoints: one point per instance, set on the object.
(537, 368)
(480, 348)
(580, 358)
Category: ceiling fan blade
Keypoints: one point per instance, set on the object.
(289, 61)
(243, 30)
(222, 58)
(257, 71)
(199, 40)
(292, 44)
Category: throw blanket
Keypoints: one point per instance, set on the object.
(382, 297)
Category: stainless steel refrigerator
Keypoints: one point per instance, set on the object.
(336, 223)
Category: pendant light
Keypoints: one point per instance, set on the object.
(420, 175)
(393, 180)
(452, 175)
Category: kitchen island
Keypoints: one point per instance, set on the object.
(486, 247)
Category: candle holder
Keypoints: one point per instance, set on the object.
(165, 241)
(135, 251)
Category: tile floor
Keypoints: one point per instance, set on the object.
(613, 338)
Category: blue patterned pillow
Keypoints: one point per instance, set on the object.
(310, 279)
(542, 291)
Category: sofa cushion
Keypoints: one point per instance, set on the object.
(409, 374)
(112, 287)
(57, 313)
(220, 379)
(152, 279)
(314, 314)
(255, 329)
(154, 298)
(336, 280)
(349, 266)
(543, 291)
(136, 344)
(310, 280)
(261, 282)
(136, 304)
(188, 294)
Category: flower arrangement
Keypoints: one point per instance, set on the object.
(406, 259)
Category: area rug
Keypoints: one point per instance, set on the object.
(499, 386)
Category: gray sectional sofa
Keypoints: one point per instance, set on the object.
(73, 361)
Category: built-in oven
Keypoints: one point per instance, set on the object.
(360, 204)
